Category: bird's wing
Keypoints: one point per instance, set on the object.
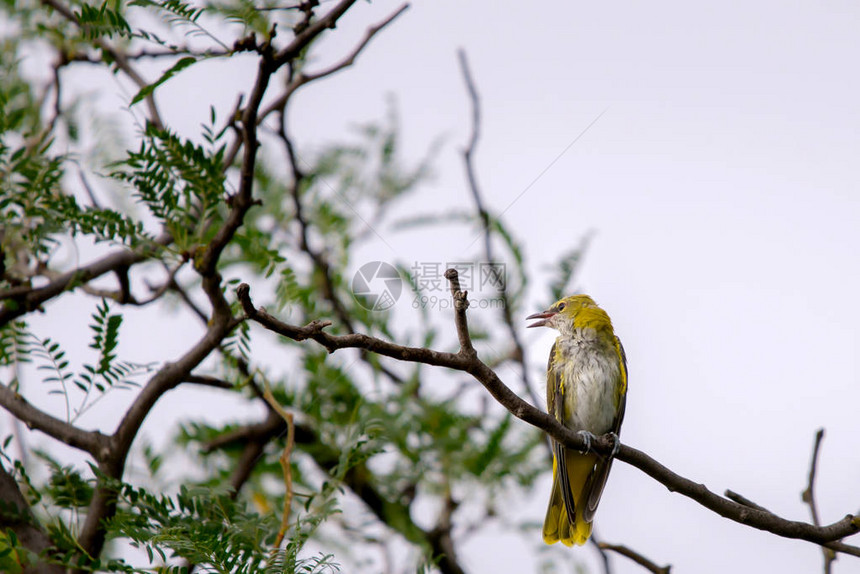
(597, 481)
(622, 399)
(555, 407)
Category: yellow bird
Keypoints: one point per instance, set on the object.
(586, 391)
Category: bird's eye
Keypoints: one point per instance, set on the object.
(561, 306)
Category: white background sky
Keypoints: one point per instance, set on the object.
(722, 183)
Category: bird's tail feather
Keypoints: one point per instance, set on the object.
(557, 527)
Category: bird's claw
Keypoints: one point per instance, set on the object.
(588, 438)
(616, 444)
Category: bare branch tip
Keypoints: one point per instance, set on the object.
(243, 292)
(453, 277)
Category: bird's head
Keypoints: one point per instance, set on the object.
(574, 312)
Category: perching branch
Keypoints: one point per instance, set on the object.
(470, 363)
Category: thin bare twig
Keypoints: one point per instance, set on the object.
(118, 56)
(123, 294)
(594, 540)
(808, 496)
(741, 499)
(461, 303)
(636, 557)
(207, 381)
(301, 79)
(284, 460)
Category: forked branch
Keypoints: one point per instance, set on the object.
(466, 360)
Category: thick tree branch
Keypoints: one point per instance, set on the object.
(308, 34)
(103, 505)
(221, 323)
(243, 200)
(22, 301)
(92, 442)
(15, 514)
(740, 513)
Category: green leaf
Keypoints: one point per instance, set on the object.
(172, 71)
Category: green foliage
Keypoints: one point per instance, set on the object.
(51, 360)
(102, 21)
(177, 12)
(13, 343)
(180, 65)
(209, 527)
(238, 344)
(107, 372)
(179, 182)
(67, 487)
(93, 380)
(252, 16)
(17, 100)
(34, 209)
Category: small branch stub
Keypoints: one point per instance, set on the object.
(461, 300)
(461, 303)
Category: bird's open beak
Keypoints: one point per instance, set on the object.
(544, 316)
